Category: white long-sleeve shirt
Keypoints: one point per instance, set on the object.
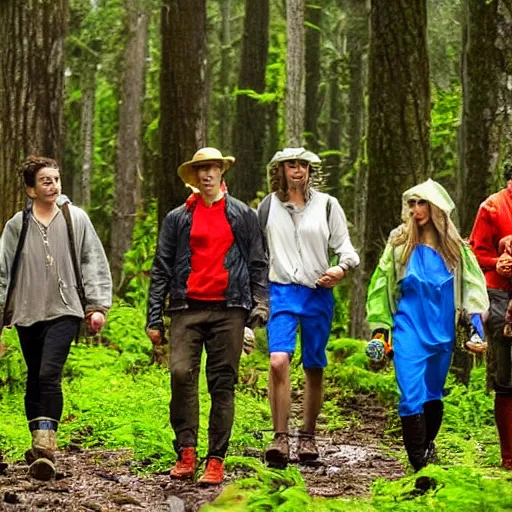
(299, 239)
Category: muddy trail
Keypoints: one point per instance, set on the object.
(100, 481)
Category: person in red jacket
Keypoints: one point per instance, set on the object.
(211, 263)
(491, 242)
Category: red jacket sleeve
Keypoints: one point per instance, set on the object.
(483, 239)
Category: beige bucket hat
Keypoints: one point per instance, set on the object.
(187, 171)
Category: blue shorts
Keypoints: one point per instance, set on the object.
(313, 308)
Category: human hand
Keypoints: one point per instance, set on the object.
(96, 321)
(504, 265)
(507, 330)
(258, 316)
(331, 277)
(380, 345)
(249, 340)
(476, 343)
(155, 336)
(505, 245)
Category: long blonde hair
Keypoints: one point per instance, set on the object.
(448, 238)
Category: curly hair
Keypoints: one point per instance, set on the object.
(448, 239)
(31, 165)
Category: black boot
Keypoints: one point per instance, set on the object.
(414, 434)
(433, 419)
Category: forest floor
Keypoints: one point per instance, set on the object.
(99, 480)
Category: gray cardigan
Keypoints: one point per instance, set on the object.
(93, 263)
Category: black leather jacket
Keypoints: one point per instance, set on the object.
(246, 262)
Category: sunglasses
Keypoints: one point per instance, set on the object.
(411, 203)
(293, 164)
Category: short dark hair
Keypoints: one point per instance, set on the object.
(32, 164)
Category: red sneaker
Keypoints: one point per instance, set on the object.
(214, 473)
(186, 465)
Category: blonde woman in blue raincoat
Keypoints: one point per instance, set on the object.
(426, 277)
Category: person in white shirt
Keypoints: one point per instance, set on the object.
(301, 224)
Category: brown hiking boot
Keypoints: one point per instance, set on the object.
(41, 457)
(186, 465)
(214, 473)
(278, 451)
(307, 450)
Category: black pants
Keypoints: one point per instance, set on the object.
(221, 332)
(45, 347)
(499, 351)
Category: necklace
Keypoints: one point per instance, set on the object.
(46, 243)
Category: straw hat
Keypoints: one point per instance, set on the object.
(187, 171)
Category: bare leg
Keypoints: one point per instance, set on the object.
(279, 390)
(313, 397)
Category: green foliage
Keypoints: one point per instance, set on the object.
(12, 366)
(139, 259)
(114, 398)
(457, 488)
(272, 490)
(443, 135)
(350, 373)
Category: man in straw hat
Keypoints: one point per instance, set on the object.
(211, 261)
(300, 224)
(491, 241)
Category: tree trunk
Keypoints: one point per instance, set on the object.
(129, 141)
(183, 95)
(479, 151)
(313, 40)
(82, 180)
(249, 135)
(31, 90)
(332, 161)
(357, 46)
(399, 114)
(225, 72)
(295, 61)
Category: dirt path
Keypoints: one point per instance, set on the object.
(103, 481)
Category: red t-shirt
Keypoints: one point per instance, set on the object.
(492, 223)
(210, 240)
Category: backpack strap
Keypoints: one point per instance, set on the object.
(74, 258)
(27, 213)
(263, 211)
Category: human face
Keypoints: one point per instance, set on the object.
(297, 173)
(209, 177)
(420, 211)
(47, 186)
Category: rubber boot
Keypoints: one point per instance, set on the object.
(41, 457)
(503, 416)
(414, 435)
(433, 418)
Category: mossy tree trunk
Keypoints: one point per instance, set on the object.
(250, 126)
(357, 46)
(399, 115)
(295, 72)
(183, 95)
(313, 45)
(129, 165)
(31, 90)
(479, 139)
